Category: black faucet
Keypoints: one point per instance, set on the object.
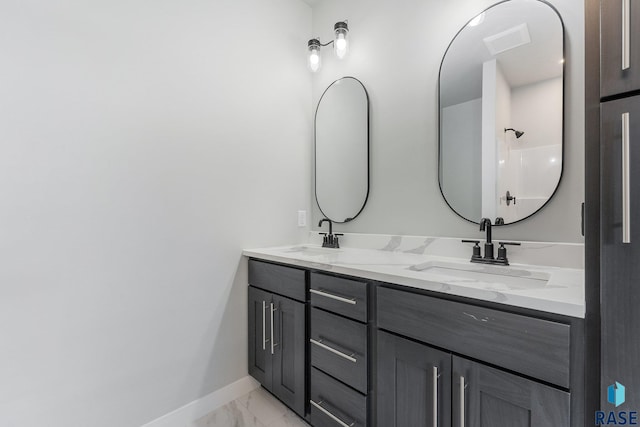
(330, 224)
(485, 225)
(329, 240)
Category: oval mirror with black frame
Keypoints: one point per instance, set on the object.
(501, 107)
(342, 150)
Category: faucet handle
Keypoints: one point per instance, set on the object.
(476, 248)
(502, 251)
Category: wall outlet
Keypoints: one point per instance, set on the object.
(302, 218)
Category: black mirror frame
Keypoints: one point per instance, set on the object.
(564, 92)
(315, 176)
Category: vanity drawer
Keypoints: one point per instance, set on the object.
(333, 403)
(339, 348)
(339, 295)
(534, 347)
(286, 281)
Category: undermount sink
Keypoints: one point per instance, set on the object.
(311, 250)
(487, 276)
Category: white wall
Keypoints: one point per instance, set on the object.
(461, 181)
(396, 50)
(143, 144)
(533, 165)
(496, 116)
(537, 109)
(503, 120)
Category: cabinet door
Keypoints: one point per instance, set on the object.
(259, 330)
(488, 397)
(620, 262)
(289, 352)
(616, 20)
(413, 384)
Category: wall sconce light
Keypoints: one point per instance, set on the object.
(518, 133)
(314, 55)
(340, 45)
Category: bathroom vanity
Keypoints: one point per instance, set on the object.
(356, 337)
(423, 337)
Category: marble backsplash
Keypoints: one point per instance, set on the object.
(568, 255)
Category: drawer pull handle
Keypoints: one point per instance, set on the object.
(264, 325)
(626, 185)
(334, 351)
(626, 34)
(462, 404)
(335, 297)
(273, 344)
(330, 415)
(435, 396)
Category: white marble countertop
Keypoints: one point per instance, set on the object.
(551, 289)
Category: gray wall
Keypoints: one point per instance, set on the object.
(143, 144)
(396, 50)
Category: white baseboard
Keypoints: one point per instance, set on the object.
(190, 412)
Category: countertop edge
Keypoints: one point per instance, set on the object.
(522, 301)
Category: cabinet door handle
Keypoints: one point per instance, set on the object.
(330, 415)
(435, 396)
(333, 350)
(335, 297)
(273, 344)
(626, 190)
(626, 34)
(462, 404)
(264, 325)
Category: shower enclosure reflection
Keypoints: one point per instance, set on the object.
(501, 112)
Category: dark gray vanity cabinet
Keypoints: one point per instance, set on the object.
(277, 327)
(620, 55)
(366, 354)
(620, 246)
(488, 397)
(340, 351)
(619, 195)
(421, 386)
(414, 383)
(260, 360)
(421, 365)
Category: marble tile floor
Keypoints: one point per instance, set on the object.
(255, 409)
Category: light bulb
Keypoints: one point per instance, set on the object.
(340, 43)
(341, 46)
(314, 55)
(314, 60)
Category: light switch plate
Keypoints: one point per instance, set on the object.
(302, 218)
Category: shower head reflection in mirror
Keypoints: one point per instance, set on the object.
(518, 133)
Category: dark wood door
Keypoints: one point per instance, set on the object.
(413, 384)
(620, 262)
(259, 329)
(289, 352)
(614, 79)
(488, 397)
